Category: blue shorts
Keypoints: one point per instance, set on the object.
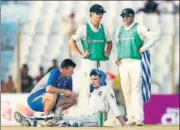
(35, 101)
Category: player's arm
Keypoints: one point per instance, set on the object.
(74, 47)
(108, 48)
(113, 105)
(52, 78)
(80, 34)
(116, 48)
(152, 37)
(109, 43)
(52, 89)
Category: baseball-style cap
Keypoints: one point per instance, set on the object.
(127, 12)
(96, 8)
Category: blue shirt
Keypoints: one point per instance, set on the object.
(53, 78)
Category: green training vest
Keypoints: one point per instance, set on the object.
(95, 42)
(129, 43)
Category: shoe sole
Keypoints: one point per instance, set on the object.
(139, 124)
(47, 124)
(131, 123)
(21, 119)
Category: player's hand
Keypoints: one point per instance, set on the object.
(67, 93)
(118, 62)
(106, 54)
(140, 50)
(73, 95)
(85, 54)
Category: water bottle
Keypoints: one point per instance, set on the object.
(100, 119)
(75, 124)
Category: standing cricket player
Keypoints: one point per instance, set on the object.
(129, 46)
(52, 93)
(95, 39)
(101, 98)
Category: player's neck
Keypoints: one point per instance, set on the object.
(128, 25)
(95, 23)
(96, 87)
(62, 73)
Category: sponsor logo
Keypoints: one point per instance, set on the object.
(127, 38)
(95, 41)
(171, 117)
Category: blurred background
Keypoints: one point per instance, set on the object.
(34, 39)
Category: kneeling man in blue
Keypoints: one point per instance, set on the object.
(53, 93)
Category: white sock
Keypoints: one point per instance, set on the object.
(58, 111)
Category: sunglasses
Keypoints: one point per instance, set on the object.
(126, 16)
(99, 13)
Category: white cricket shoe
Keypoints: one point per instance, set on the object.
(139, 123)
(57, 117)
(21, 119)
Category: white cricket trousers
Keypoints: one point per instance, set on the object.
(87, 65)
(131, 82)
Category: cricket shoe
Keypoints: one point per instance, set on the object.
(139, 123)
(57, 117)
(21, 119)
(131, 123)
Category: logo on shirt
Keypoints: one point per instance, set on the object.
(100, 93)
(127, 38)
(95, 41)
(112, 95)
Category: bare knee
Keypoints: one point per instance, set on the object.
(74, 100)
(66, 100)
(50, 97)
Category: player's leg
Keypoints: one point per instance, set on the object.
(104, 66)
(87, 65)
(85, 120)
(62, 103)
(49, 100)
(137, 104)
(35, 103)
(66, 102)
(126, 88)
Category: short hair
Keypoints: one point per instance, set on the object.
(67, 63)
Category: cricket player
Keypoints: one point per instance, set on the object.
(96, 41)
(101, 98)
(52, 93)
(129, 47)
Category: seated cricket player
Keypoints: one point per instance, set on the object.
(101, 98)
(53, 93)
